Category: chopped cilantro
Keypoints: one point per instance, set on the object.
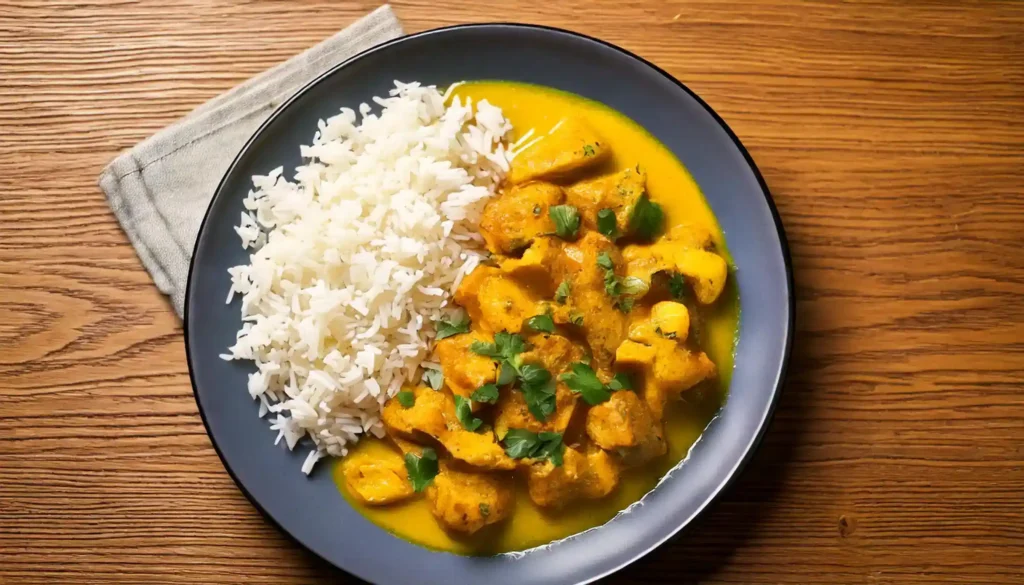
(488, 393)
(621, 381)
(646, 221)
(541, 323)
(538, 388)
(406, 398)
(521, 444)
(588, 150)
(582, 380)
(576, 319)
(562, 293)
(567, 220)
(485, 509)
(464, 412)
(421, 468)
(446, 328)
(433, 378)
(677, 286)
(606, 224)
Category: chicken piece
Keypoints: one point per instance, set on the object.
(425, 417)
(505, 304)
(604, 325)
(666, 320)
(704, 270)
(554, 353)
(477, 449)
(511, 221)
(601, 475)
(405, 445)
(590, 473)
(619, 192)
(467, 295)
(465, 501)
(570, 146)
(553, 487)
(534, 267)
(464, 371)
(670, 369)
(624, 424)
(635, 355)
(378, 478)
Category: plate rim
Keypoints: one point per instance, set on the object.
(781, 376)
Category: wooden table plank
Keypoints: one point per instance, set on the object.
(891, 134)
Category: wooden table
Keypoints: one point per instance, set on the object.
(890, 133)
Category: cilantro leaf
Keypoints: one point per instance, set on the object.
(433, 378)
(614, 287)
(576, 319)
(485, 509)
(464, 412)
(677, 286)
(421, 468)
(406, 399)
(567, 220)
(647, 219)
(582, 380)
(605, 261)
(488, 393)
(625, 304)
(506, 346)
(606, 224)
(447, 328)
(588, 150)
(538, 388)
(506, 373)
(621, 381)
(541, 323)
(562, 292)
(522, 444)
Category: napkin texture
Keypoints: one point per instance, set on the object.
(159, 189)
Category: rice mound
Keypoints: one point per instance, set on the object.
(354, 260)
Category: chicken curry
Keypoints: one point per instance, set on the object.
(594, 347)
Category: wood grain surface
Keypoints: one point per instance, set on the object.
(890, 133)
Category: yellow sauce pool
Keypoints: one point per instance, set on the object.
(669, 184)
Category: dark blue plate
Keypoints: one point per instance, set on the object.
(311, 509)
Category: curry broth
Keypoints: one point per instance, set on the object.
(669, 184)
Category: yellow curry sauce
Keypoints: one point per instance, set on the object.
(671, 186)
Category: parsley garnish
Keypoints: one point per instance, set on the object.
(406, 398)
(541, 323)
(538, 388)
(567, 220)
(582, 380)
(487, 393)
(446, 328)
(536, 383)
(521, 444)
(421, 468)
(433, 378)
(506, 348)
(464, 412)
(613, 285)
(646, 221)
(562, 292)
(606, 224)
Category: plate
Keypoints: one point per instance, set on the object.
(311, 509)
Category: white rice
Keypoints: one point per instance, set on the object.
(354, 260)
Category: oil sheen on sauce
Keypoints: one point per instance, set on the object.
(669, 184)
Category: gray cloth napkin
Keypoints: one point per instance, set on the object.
(160, 189)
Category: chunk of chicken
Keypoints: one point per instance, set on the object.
(604, 326)
(554, 353)
(466, 502)
(464, 371)
(590, 473)
(425, 417)
(624, 424)
(570, 146)
(670, 369)
(534, 267)
(495, 302)
(618, 192)
(477, 449)
(467, 295)
(704, 270)
(511, 221)
(377, 479)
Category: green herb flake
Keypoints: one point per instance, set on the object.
(562, 292)
(421, 468)
(538, 388)
(647, 219)
(582, 380)
(621, 381)
(576, 319)
(506, 373)
(566, 219)
(605, 261)
(485, 509)
(541, 323)
(625, 304)
(523, 444)
(506, 346)
(677, 286)
(488, 394)
(588, 150)
(447, 328)
(406, 399)
(464, 412)
(606, 224)
(433, 378)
